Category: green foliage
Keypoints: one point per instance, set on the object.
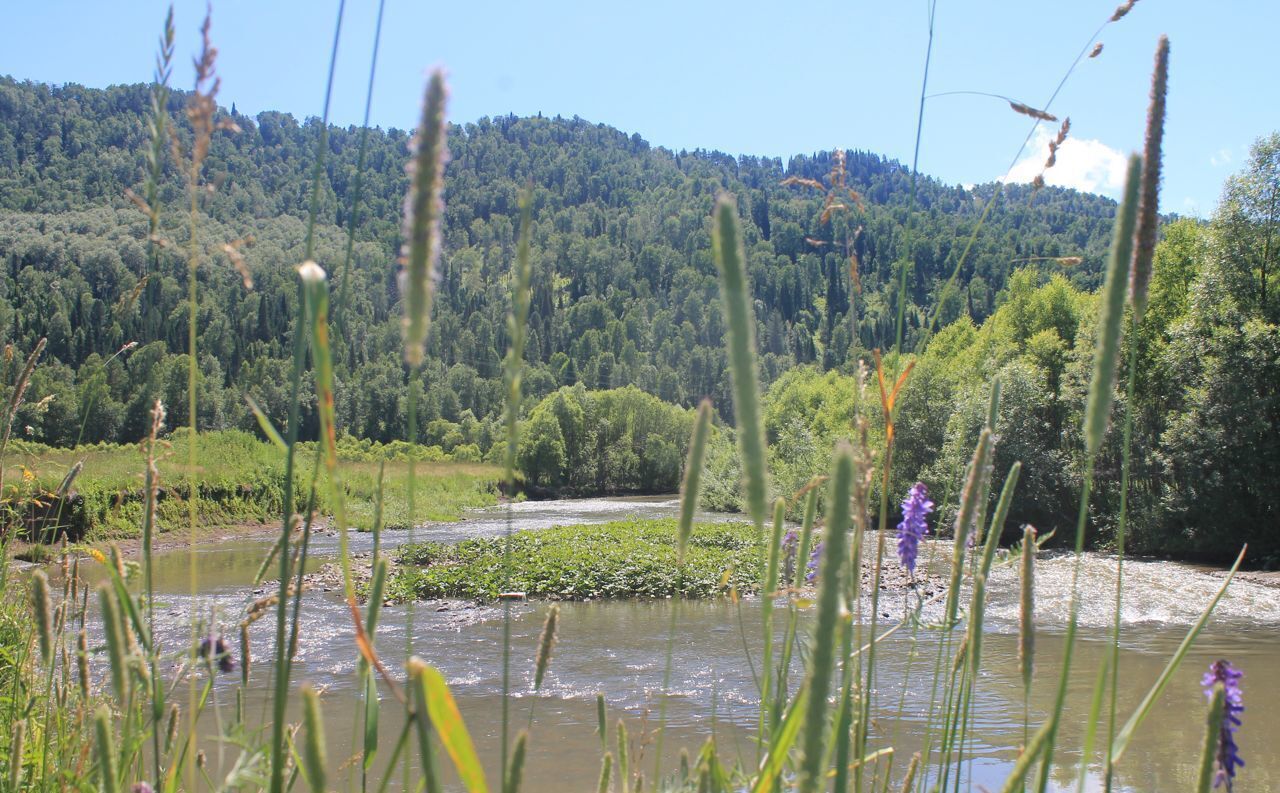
(240, 479)
(1207, 400)
(617, 441)
(626, 289)
(632, 558)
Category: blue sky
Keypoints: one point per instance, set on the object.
(747, 77)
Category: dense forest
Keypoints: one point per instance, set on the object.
(625, 297)
(625, 290)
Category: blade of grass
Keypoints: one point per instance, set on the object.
(780, 746)
(1097, 414)
(1125, 735)
(827, 630)
(1212, 735)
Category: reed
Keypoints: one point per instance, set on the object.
(315, 763)
(693, 476)
(624, 772)
(515, 773)
(105, 751)
(17, 753)
(726, 245)
(1027, 608)
(357, 188)
(731, 262)
(1096, 418)
(606, 770)
(513, 366)
(422, 215)
(42, 605)
(1139, 281)
(1212, 732)
(827, 629)
(546, 643)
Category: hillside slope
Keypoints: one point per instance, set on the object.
(624, 288)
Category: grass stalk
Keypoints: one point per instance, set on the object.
(513, 366)
(315, 761)
(827, 628)
(1097, 414)
(357, 186)
(1139, 279)
(1212, 735)
(735, 296)
(689, 492)
(1140, 713)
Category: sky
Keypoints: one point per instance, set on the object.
(760, 78)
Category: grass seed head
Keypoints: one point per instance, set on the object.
(1122, 10)
(16, 751)
(423, 212)
(1149, 192)
(82, 663)
(42, 607)
(1027, 606)
(1028, 110)
(546, 643)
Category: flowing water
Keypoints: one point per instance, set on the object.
(618, 648)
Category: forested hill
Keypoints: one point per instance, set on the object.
(625, 287)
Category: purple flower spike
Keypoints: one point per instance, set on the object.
(1228, 752)
(789, 542)
(814, 556)
(915, 508)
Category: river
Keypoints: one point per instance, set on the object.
(617, 648)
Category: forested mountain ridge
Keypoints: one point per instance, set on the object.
(625, 289)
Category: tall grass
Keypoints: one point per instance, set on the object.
(820, 734)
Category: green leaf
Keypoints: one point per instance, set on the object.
(447, 721)
(773, 762)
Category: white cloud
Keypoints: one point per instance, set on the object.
(1083, 164)
(1221, 157)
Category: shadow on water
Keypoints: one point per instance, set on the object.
(617, 648)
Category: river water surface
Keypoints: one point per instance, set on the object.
(617, 648)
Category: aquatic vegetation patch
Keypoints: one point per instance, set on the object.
(622, 559)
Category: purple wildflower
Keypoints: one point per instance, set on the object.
(790, 541)
(142, 787)
(915, 508)
(814, 556)
(1233, 705)
(215, 648)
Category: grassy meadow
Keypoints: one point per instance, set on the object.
(239, 479)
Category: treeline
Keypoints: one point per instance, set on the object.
(625, 297)
(625, 292)
(1205, 408)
